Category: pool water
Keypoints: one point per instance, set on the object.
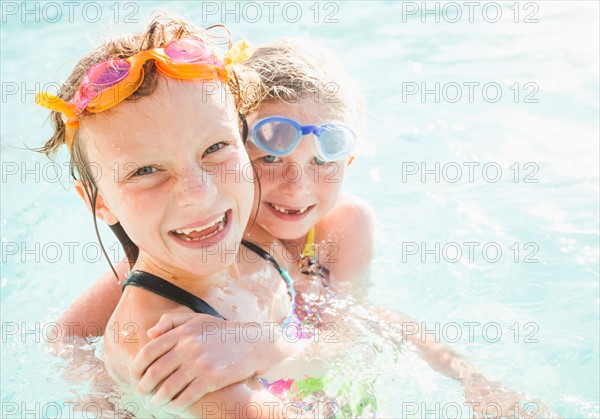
(485, 187)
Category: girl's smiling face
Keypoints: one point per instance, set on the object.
(296, 190)
(172, 173)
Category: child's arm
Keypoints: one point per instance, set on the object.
(89, 313)
(206, 355)
(438, 356)
(479, 391)
(241, 399)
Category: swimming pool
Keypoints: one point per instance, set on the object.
(482, 166)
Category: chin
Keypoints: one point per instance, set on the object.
(288, 233)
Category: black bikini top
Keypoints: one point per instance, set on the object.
(171, 291)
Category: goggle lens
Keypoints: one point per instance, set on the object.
(187, 50)
(336, 140)
(107, 73)
(99, 78)
(277, 137)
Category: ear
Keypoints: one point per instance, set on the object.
(350, 159)
(102, 211)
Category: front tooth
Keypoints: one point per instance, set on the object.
(189, 230)
(284, 211)
(204, 237)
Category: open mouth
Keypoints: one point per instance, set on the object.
(289, 210)
(289, 213)
(203, 232)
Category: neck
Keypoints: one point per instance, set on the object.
(262, 237)
(194, 283)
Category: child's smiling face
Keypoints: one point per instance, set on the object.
(297, 190)
(167, 162)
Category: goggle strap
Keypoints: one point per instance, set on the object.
(70, 129)
(54, 103)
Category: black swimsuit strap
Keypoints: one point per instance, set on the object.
(262, 253)
(171, 291)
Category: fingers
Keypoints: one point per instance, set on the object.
(168, 322)
(160, 371)
(149, 354)
(197, 389)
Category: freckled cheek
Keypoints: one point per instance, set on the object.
(277, 174)
(235, 178)
(330, 184)
(242, 192)
(269, 188)
(236, 162)
(130, 206)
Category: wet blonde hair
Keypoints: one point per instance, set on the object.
(294, 69)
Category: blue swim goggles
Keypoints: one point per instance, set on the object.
(279, 136)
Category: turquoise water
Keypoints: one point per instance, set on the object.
(541, 210)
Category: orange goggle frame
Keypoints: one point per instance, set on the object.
(111, 81)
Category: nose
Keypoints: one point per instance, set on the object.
(295, 180)
(195, 186)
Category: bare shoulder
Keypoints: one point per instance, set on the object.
(346, 238)
(351, 215)
(126, 331)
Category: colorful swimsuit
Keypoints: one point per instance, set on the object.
(309, 262)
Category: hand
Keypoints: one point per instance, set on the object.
(194, 354)
(492, 399)
(80, 362)
(81, 365)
